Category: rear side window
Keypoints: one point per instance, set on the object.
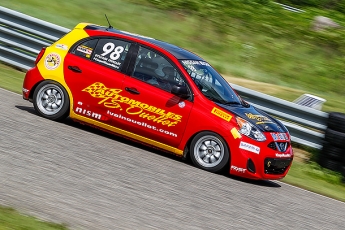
(85, 49)
(111, 53)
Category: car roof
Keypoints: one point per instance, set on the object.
(178, 52)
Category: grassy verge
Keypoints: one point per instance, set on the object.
(11, 219)
(11, 79)
(312, 177)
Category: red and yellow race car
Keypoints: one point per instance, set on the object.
(158, 94)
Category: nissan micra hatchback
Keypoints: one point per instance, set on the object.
(158, 94)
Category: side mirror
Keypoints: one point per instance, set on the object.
(180, 91)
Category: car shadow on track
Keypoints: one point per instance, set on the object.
(225, 173)
(262, 183)
(29, 109)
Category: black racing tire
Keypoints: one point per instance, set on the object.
(332, 152)
(336, 121)
(335, 137)
(209, 151)
(51, 100)
(330, 164)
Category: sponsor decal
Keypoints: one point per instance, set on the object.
(88, 113)
(260, 119)
(193, 62)
(249, 147)
(52, 61)
(111, 98)
(182, 104)
(107, 61)
(279, 136)
(84, 49)
(237, 169)
(61, 46)
(269, 164)
(143, 124)
(285, 136)
(235, 133)
(221, 114)
(282, 155)
(25, 90)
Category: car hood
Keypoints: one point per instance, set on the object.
(257, 117)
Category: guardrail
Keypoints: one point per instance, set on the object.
(290, 8)
(306, 125)
(22, 37)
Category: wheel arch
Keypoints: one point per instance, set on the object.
(32, 91)
(186, 151)
(62, 113)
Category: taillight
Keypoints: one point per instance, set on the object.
(40, 55)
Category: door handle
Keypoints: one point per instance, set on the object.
(132, 90)
(75, 69)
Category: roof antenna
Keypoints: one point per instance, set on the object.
(110, 27)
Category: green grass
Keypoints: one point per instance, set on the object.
(12, 220)
(312, 177)
(11, 79)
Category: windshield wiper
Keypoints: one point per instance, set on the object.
(214, 99)
(232, 103)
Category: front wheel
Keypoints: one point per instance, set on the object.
(51, 100)
(209, 151)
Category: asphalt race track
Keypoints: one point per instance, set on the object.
(69, 173)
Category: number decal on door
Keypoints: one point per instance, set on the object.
(115, 52)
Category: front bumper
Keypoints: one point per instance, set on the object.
(275, 166)
(268, 163)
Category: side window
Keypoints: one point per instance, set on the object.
(85, 49)
(156, 70)
(111, 53)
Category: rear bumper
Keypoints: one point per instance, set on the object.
(32, 78)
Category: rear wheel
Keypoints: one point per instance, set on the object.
(51, 100)
(209, 151)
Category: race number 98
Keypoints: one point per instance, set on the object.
(114, 51)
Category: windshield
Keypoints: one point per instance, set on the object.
(210, 83)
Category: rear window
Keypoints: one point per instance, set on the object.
(85, 49)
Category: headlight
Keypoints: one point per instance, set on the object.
(246, 128)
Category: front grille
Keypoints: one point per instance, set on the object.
(276, 166)
(272, 145)
(280, 146)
